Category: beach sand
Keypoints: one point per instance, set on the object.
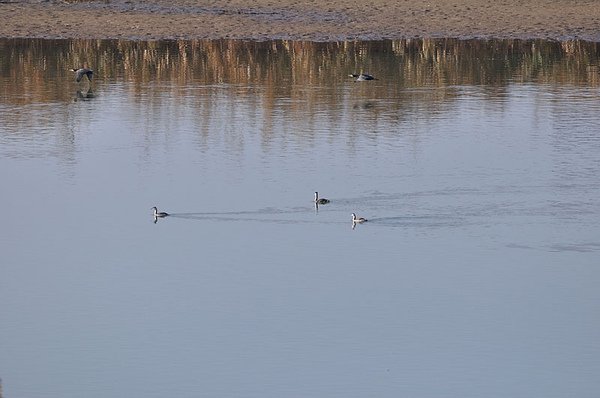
(330, 20)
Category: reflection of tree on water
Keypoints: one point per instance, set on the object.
(37, 70)
(276, 80)
(286, 66)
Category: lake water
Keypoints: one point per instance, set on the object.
(477, 164)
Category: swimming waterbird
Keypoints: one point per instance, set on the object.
(358, 220)
(158, 214)
(320, 201)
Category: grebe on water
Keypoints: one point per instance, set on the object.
(158, 214)
(358, 220)
(320, 201)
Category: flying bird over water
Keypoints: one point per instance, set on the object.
(82, 71)
(362, 77)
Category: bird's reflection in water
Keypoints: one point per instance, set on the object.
(354, 224)
(364, 105)
(85, 94)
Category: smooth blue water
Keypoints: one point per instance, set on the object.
(476, 275)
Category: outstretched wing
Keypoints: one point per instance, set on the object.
(79, 74)
(83, 71)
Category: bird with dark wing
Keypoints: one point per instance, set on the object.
(79, 73)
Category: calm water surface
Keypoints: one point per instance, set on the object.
(477, 164)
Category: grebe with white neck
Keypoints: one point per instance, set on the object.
(320, 201)
(358, 220)
(159, 214)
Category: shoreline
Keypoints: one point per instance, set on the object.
(303, 20)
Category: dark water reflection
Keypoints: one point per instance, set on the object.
(284, 66)
(417, 77)
(476, 163)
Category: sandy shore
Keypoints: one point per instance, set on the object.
(301, 19)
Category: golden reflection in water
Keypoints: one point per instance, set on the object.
(36, 70)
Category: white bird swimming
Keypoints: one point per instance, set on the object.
(158, 214)
(362, 77)
(358, 220)
(82, 71)
(320, 201)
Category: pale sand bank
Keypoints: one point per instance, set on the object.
(329, 20)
